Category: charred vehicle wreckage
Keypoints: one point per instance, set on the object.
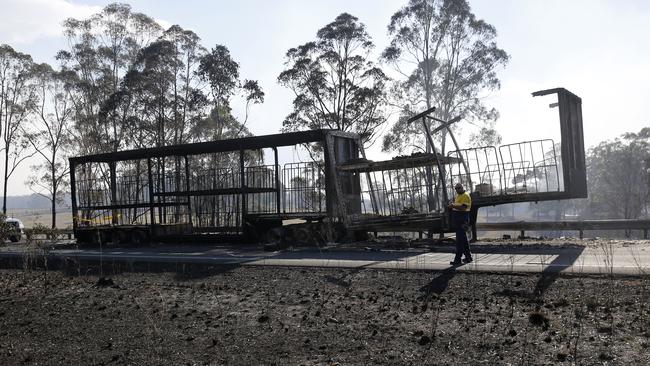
(224, 190)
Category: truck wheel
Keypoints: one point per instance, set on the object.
(99, 237)
(303, 235)
(273, 236)
(84, 239)
(14, 239)
(138, 237)
(118, 237)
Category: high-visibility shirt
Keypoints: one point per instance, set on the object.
(465, 199)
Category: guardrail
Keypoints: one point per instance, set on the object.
(49, 233)
(521, 226)
(579, 226)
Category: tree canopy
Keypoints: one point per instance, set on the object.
(124, 82)
(447, 58)
(16, 98)
(618, 176)
(335, 84)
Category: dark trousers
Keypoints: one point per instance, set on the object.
(460, 220)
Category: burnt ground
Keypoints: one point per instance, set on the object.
(290, 316)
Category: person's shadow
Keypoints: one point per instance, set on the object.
(554, 269)
(438, 284)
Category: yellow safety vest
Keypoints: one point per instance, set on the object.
(465, 199)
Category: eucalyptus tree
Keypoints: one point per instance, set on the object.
(335, 84)
(188, 101)
(448, 59)
(49, 134)
(618, 175)
(221, 72)
(165, 85)
(101, 50)
(16, 96)
(149, 87)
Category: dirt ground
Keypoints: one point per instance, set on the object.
(292, 316)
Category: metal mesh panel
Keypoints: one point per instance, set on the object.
(521, 168)
(93, 185)
(220, 213)
(303, 187)
(95, 199)
(400, 191)
(530, 167)
(262, 177)
(478, 169)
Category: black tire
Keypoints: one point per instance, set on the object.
(14, 239)
(118, 237)
(303, 235)
(138, 237)
(97, 238)
(85, 238)
(100, 237)
(273, 236)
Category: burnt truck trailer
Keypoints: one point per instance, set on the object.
(218, 189)
(226, 190)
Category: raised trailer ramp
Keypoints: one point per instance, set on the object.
(411, 193)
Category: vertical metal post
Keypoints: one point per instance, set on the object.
(151, 196)
(160, 183)
(329, 179)
(113, 181)
(373, 198)
(473, 219)
(335, 181)
(242, 169)
(73, 196)
(277, 181)
(187, 188)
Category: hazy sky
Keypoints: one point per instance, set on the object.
(597, 49)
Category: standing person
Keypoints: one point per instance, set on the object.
(459, 220)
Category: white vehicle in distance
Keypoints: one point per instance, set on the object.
(16, 229)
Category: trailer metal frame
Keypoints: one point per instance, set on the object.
(215, 189)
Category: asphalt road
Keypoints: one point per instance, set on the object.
(615, 257)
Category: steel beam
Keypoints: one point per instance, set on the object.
(244, 143)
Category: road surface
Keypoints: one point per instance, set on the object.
(604, 257)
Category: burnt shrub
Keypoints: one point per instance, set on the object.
(538, 319)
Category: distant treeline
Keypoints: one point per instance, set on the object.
(34, 201)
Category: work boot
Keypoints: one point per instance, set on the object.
(455, 263)
(468, 260)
